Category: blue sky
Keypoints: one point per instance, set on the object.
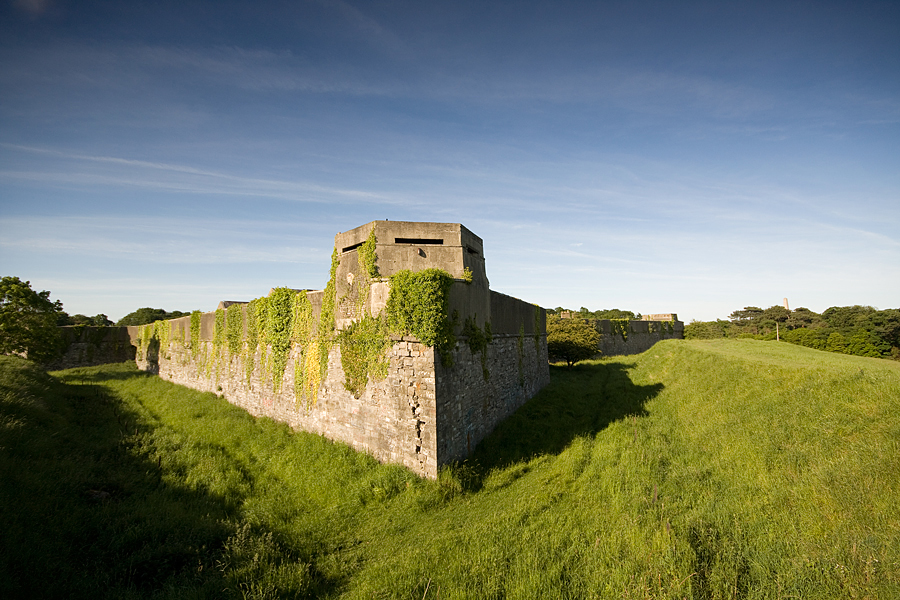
(651, 156)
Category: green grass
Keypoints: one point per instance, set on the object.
(699, 469)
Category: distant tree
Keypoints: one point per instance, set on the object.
(803, 317)
(572, 340)
(28, 321)
(705, 330)
(144, 316)
(777, 314)
(99, 320)
(749, 316)
(847, 317)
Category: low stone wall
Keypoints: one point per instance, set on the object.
(86, 346)
(634, 337)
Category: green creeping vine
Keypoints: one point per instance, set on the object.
(621, 326)
(162, 329)
(367, 257)
(252, 340)
(419, 304)
(218, 340)
(262, 316)
(363, 353)
(234, 328)
(279, 326)
(478, 341)
(325, 331)
(146, 336)
(301, 331)
(537, 330)
(195, 333)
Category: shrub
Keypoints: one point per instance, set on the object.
(571, 340)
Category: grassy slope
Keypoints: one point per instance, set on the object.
(699, 469)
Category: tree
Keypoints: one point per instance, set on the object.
(572, 340)
(803, 317)
(99, 320)
(28, 321)
(144, 316)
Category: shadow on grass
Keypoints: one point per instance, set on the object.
(89, 510)
(580, 401)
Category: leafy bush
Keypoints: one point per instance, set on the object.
(571, 340)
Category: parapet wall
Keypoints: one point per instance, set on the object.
(634, 337)
(86, 346)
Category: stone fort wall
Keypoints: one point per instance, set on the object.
(422, 415)
(634, 337)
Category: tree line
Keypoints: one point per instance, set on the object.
(857, 330)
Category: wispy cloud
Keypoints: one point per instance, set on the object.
(198, 181)
(160, 240)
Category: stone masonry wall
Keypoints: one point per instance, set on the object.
(394, 420)
(639, 335)
(470, 406)
(86, 346)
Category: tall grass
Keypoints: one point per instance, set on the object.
(720, 469)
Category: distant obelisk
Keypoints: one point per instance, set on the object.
(786, 304)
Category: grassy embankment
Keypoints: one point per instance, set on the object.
(699, 469)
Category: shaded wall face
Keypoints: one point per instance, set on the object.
(479, 392)
(634, 337)
(85, 346)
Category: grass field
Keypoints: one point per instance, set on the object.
(699, 469)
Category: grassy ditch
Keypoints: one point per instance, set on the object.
(700, 469)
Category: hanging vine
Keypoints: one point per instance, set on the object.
(478, 340)
(363, 353)
(234, 328)
(279, 326)
(195, 333)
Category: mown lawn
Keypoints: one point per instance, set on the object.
(699, 469)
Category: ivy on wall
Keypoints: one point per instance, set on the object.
(262, 342)
(621, 327)
(363, 353)
(418, 304)
(279, 326)
(218, 341)
(234, 328)
(252, 340)
(162, 329)
(367, 257)
(537, 329)
(195, 333)
(478, 340)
